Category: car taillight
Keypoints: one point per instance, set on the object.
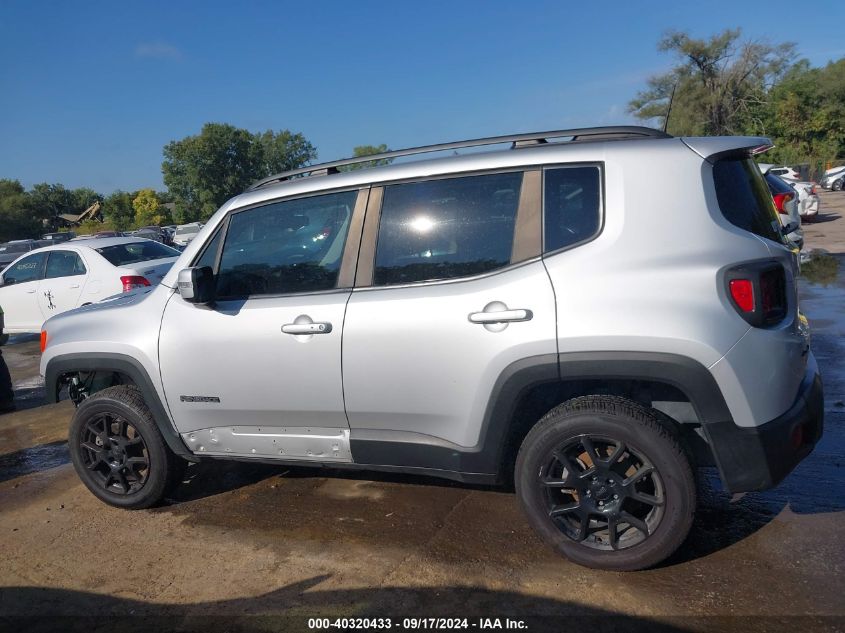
(130, 282)
(43, 340)
(742, 291)
(780, 200)
(758, 292)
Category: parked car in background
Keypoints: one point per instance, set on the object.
(834, 178)
(60, 236)
(808, 198)
(58, 278)
(102, 234)
(185, 233)
(786, 203)
(780, 170)
(10, 251)
(154, 233)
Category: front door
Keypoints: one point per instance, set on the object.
(258, 373)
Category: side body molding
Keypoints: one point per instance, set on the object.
(122, 364)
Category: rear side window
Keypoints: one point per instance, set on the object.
(571, 206)
(134, 252)
(443, 229)
(64, 264)
(744, 198)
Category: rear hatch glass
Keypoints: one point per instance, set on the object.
(744, 197)
(134, 252)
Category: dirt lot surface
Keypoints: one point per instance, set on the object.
(241, 541)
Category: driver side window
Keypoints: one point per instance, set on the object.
(285, 247)
(28, 269)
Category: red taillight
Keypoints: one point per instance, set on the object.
(130, 282)
(797, 436)
(742, 291)
(780, 200)
(758, 292)
(43, 340)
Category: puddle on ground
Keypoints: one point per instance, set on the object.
(820, 269)
(33, 459)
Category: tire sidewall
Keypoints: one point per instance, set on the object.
(674, 470)
(157, 479)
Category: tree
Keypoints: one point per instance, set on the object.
(119, 211)
(49, 201)
(147, 207)
(368, 150)
(805, 115)
(721, 83)
(18, 219)
(203, 171)
(283, 151)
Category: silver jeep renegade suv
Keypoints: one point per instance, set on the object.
(591, 314)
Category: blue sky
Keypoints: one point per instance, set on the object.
(90, 92)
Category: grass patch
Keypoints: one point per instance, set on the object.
(821, 269)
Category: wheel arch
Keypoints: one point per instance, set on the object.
(125, 366)
(528, 389)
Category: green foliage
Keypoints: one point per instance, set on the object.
(147, 208)
(805, 115)
(118, 211)
(368, 150)
(203, 171)
(720, 83)
(18, 220)
(89, 227)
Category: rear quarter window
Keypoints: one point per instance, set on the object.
(744, 197)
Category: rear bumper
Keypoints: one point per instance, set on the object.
(758, 458)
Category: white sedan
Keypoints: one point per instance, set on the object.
(58, 278)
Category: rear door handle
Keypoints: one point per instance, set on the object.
(74, 286)
(503, 316)
(30, 292)
(307, 328)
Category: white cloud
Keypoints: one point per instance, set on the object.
(157, 50)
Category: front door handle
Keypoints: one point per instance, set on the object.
(307, 328)
(30, 292)
(74, 286)
(502, 316)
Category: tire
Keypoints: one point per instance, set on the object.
(837, 185)
(572, 508)
(118, 451)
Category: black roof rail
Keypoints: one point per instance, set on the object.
(517, 141)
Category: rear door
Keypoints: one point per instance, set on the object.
(19, 293)
(64, 278)
(450, 291)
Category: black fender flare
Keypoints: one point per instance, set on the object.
(128, 366)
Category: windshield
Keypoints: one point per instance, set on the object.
(134, 252)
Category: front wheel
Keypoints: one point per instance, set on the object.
(118, 451)
(837, 185)
(606, 484)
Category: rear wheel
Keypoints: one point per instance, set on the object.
(606, 484)
(118, 451)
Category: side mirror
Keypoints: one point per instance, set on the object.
(196, 285)
(791, 226)
(7, 282)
